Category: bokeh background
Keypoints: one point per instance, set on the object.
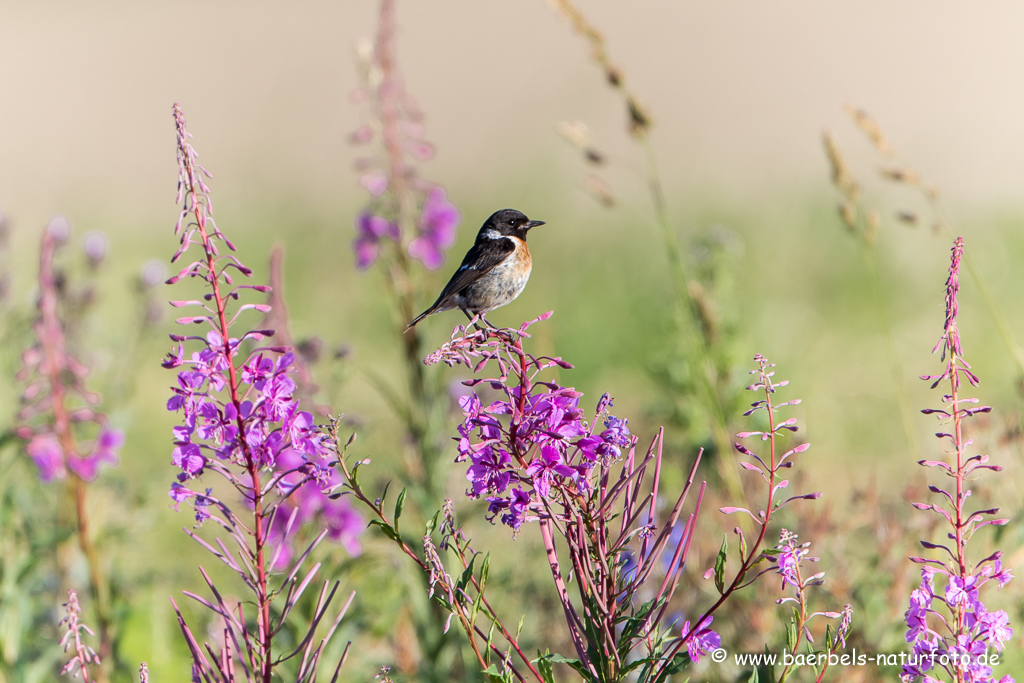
(739, 95)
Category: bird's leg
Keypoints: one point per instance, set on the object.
(475, 319)
(498, 332)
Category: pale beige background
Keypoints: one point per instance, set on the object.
(740, 91)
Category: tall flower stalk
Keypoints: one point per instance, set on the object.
(67, 437)
(242, 423)
(949, 627)
(73, 641)
(754, 558)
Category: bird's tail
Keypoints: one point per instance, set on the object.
(420, 317)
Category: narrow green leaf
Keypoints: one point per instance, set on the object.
(387, 530)
(720, 565)
(399, 506)
(544, 667)
(791, 632)
(431, 524)
(485, 571)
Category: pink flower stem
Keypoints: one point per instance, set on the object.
(51, 336)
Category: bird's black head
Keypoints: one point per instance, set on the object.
(507, 223)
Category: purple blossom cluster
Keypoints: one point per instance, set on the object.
(545, 442)
(791, 554)
(533, 439)
(954, 630)
(58, 417)
(436, 227)
(399, 198)
(965, 653)
(258, 425)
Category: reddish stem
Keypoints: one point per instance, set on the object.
(262, 592)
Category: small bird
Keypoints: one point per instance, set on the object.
(494, 271)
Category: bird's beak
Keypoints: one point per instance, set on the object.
(533, 224)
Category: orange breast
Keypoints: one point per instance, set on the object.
(522, 256)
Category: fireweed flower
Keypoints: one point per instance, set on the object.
(72, 640)
(704, 640)
(241, 421)
(58, 419)
(371, 230)
(545, 426)
(438, 220)
(68, 438)
(789, 558)
(950, 629)
(537, 457)
(551, 427)
(236, 413)
(399, 198)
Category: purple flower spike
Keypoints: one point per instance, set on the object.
(391, 176)
(51, 418)
(240, 420)
(438, 222)
(961, 627)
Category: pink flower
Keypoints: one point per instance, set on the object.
(438, 221)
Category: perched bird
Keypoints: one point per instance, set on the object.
(494, 271)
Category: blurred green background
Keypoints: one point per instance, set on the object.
(739, 95)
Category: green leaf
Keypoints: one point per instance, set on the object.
(678, 663)
(575, 664)
(634, 623)
(431, 524)
(544, 668)
(399, 506)
(791, 632)
(467, 574)
(497, 677)
(387, 530)
(720, 565)
(485, 571)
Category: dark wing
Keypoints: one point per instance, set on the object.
(480, 260)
